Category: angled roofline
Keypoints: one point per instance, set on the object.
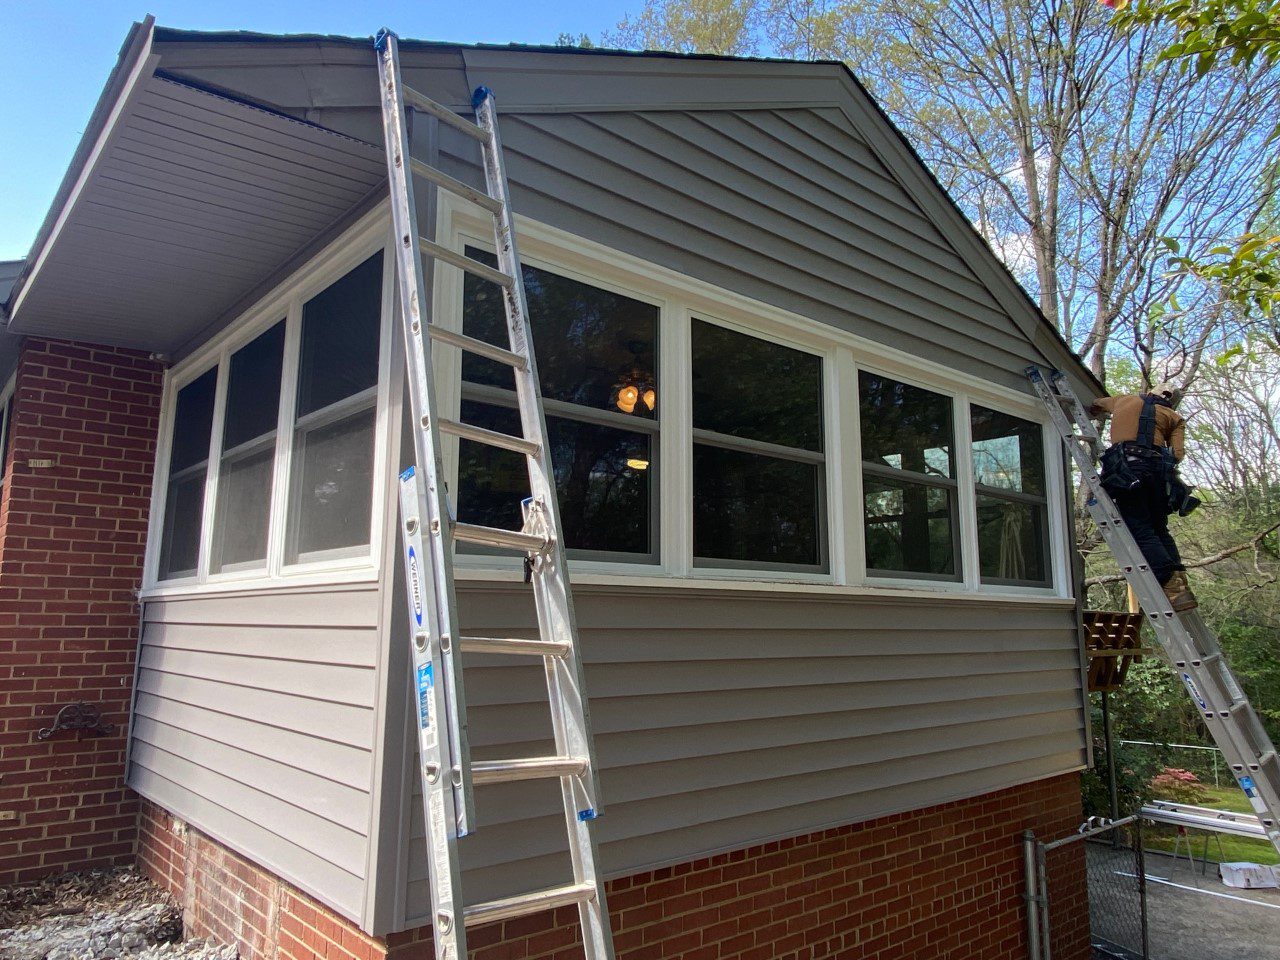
(137, 61)
(133, 65)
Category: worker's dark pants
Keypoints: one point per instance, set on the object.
(1146, 512)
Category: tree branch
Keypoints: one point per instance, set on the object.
(1218, 557)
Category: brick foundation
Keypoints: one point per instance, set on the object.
(945, 882)
(72, 537)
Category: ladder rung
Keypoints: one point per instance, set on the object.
(496, 537)
(420, 101)
(493, 438)
(442, 179)
(530, 648)
(478, 347)
(526, 768)
(483, 270)
(527, 903)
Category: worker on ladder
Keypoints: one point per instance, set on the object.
(1140, 471)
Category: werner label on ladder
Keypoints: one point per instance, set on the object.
(429, 532)
(1188, 643)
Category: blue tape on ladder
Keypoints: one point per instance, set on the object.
(407, 474)
(480, 96)
(380, 41)
(585, 815)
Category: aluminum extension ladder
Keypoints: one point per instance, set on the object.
(429, 533)
(1188, 642)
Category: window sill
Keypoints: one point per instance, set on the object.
(365, 575)
(814, 585)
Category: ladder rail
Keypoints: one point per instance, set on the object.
(430, 533)
(1187, 642)
(566, 685)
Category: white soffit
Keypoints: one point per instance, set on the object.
(195, 200)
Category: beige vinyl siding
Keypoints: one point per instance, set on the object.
(254, 720)
(725, 718)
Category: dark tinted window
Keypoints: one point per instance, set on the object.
(253, 389)
(910, 527)
(905, 427)
(747, 387)
(188, 469)
(340, 329)
(1008, 452)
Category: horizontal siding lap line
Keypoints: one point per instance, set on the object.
(646, 783)
(336, 845)
(877, 245)
(519, 684)
(339, 763)
(310, 793)
(358, 656)
(711, 740)
(352, 686)
(334, 887)
(893, 299)
(873, 177)
(804, 232)
(904, 339)
(695, 808)
(665, 711)
(625, 857)
(351, 726)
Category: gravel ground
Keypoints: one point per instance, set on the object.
(97, 915)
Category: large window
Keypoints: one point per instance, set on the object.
(908, 480)
(188, 470)
(1013, 510)
(596, 352)
(758, 462)
(330, 505)
(329, 404)
(248, 453)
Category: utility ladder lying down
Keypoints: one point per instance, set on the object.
(430, 532)
(1188, 643)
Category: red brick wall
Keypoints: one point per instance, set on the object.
(71, 544)
(945, 882)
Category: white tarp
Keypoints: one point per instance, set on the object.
(1249, 876)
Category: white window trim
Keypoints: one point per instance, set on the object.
(369, 235)
(681, 298)
(6, 394)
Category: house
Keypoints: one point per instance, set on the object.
(821, 540)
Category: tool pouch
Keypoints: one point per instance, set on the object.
(1117, 476)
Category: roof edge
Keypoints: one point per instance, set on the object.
(131, 63)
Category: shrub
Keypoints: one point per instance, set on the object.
(1181, 786)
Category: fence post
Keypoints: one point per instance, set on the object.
(1142, 884)
(1032, 894)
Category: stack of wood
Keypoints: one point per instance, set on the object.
(1113, 643)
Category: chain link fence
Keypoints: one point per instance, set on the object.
(1086, 893)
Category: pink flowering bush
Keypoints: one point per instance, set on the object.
(1182, 786)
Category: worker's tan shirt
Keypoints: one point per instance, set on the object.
(1127, 411)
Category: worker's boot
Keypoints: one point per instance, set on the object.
(1179, 592)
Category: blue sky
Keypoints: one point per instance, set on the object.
(55, 56)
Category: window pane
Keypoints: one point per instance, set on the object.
(244, 505)
(747, 387)
(1008, 452)
(333, 491)
(340, 332)
(604, 481)
(8, 432)
(188, 467)
(905, 427)
(1012, 540)
(248, 444)
(193, 422)
(909, 527)
(595, 348)
(748, 507)
(253, 389)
